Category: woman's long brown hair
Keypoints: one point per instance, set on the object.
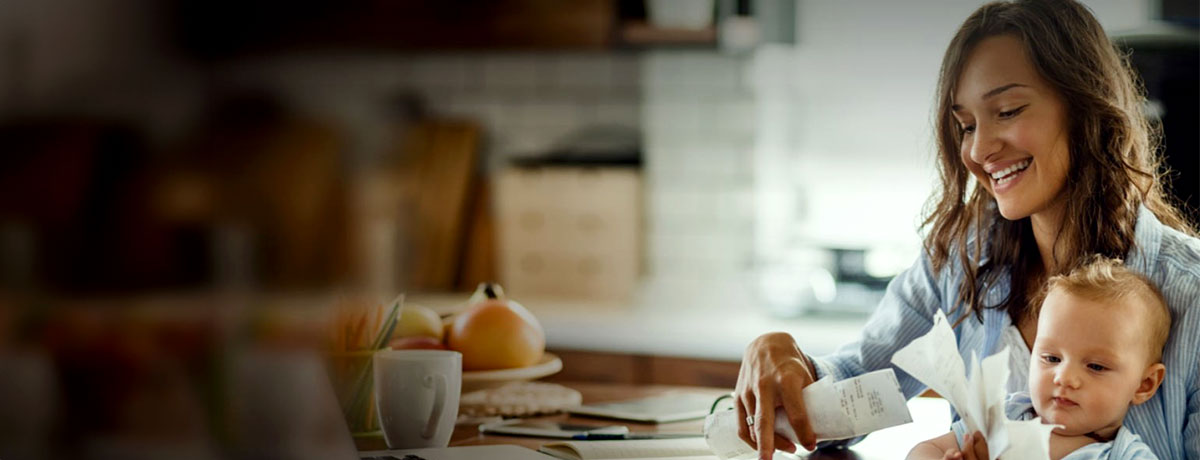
(1114, 160)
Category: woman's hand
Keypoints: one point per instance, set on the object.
(974, 448)
(773, 373)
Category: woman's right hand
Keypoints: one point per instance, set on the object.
(774, 372)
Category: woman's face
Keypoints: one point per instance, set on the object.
(1014, 133)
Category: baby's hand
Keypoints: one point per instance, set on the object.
(974, 448)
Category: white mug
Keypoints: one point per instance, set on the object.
(416, 396)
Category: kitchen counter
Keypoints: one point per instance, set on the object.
(660, 321)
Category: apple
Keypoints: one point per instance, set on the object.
(415, 320)
(417, 342)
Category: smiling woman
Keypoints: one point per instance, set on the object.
(1013, 132)
(1013, 126)
(1046, 159)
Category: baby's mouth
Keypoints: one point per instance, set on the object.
(1064, 402)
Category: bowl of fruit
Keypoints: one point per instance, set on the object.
(500, 340)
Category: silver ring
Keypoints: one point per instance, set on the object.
(750, 420)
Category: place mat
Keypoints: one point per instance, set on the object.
(518, 399)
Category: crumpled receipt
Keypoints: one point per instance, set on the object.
(836, 410)
(934, 360)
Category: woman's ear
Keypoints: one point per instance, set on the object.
(1151, 379)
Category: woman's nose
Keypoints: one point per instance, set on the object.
(984, 144)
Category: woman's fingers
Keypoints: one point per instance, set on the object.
(784, 444)
(773, 374)
(743, 428)
(792, 397)
(764, 419)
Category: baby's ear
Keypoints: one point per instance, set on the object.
(1151, 379)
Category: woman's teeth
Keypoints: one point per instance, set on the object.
(1007, 174)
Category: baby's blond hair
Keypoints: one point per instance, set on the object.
(1107, 280)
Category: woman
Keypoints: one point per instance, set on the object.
(1045, 159)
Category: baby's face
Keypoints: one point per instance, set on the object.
(1088, 360)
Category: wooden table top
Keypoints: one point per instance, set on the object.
(930, 415)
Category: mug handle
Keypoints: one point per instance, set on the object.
(439, 400)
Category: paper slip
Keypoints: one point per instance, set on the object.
(836, 410)
(934, 360)
(855, 406)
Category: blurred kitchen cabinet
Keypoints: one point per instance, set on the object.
(441, 166)
(300, 211)
(479, 247)
(585, 366)
(569, 232)
(268, 189)
(418, 214)
(73, 215)
(607, 367)
(220, 28)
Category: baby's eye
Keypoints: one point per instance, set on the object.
(1050, 359)
(1096, 367)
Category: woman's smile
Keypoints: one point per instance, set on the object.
(1006, 178)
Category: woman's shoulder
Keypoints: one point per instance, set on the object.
(1176, 272)
(1179, 257)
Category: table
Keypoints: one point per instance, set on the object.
(931, 418)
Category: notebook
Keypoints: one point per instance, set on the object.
(656, 449)
(665, 408)
(503, 452)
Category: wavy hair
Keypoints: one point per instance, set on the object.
(1113, 149)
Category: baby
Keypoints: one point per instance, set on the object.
(1098, 349)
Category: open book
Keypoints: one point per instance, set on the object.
(640, 449)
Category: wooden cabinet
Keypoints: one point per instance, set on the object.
(217, 29)
(602, 367)
(223, 28)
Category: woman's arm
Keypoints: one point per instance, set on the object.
(774, 369)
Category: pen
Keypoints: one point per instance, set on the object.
(630, 436)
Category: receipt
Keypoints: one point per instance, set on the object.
(836, 410)
(934, 360)
(855, 406)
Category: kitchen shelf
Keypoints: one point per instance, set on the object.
(641, 34)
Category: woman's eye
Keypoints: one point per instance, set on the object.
(1096, 367)
(968, 129)
(1013, 112)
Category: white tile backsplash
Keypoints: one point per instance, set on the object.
(715, 72)
(621, 113)
(551, 114)
(516, 72)
(696, 117)
(698, 136)
(582, 72)
(448, 72)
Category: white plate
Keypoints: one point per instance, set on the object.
(478, 380)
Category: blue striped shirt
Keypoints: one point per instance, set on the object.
(1169, 422)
